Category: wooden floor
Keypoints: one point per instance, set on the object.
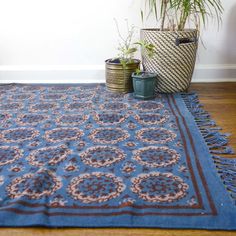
(220, 100)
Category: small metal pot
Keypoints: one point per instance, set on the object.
(118, 77)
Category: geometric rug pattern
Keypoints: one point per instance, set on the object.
(80, 156)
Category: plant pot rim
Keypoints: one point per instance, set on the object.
(135, 61)
(165, 31)
(144, 75)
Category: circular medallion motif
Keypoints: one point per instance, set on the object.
(155, 135)
(79, 106)
(114, 106)
(18, 134)
(9, 154)
(4, 117)
(73, 119)
(88, 88)
(33, 88)
(34, 185)
(38, 107)
(148, 106)
(54, 96)
(108, 135)
(7, 88)
(22, 96)
(100, 156)
(109, 118)
(48, 155)
(95, 187)
(159, 187)
(114, 96)
(83, 96)
(63, 134)
(11, 106)
(60, 88)
(151, 119)
(156, 156)
(31, 119)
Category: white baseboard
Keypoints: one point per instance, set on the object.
(52, 74)
(96, 73)
(213, 80)
(213, 73)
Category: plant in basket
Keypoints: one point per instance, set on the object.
(120, 68)
(176, 39)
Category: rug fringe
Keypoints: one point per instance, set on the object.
(217, 142)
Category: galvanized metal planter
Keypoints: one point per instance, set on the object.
(144, 85)
(118, 77)
(174, 58)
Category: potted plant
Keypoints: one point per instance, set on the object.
(120, 68)
(144, 82)
(175, 44)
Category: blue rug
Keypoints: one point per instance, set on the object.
(79, 156)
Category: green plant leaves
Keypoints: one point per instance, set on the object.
(127, 47)
(178, 12)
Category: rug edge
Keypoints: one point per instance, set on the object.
(216, 142)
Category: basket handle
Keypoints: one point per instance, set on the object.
(181, 41)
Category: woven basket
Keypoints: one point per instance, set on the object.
(174, 58)
(118, 78)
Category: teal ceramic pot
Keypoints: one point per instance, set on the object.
(144, 85)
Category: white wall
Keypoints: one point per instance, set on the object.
(68, 40)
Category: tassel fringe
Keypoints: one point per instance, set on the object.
(217, 142)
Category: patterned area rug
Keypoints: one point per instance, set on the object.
(79, 156)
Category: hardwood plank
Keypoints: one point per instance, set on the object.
(111, 232)
(220, 100)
